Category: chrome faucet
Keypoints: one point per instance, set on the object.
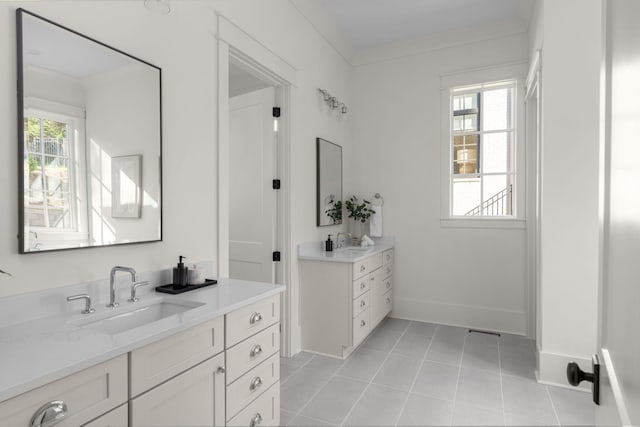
(344, 241)
(112, 283)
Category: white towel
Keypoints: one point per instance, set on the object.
(375, 224)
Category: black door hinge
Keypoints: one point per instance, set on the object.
(276, 256)
(276, 112)
(276, 184)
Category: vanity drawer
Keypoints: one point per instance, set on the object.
(246, 321)
(360, 286)
(164, 359)
(387, 257)
(361, 327)
(87, 394)
(387, 301)
(247, 354)
(387, 270)
(361, 303)
(367, 265)
(264, 411)
(386, 285)
(252, 384)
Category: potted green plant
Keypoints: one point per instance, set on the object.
(358, 212)
(335, 211)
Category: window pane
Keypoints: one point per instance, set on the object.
(496, 152)
(57, 173)
(465, 154)
(465, 102)
(34, 208)
(496, 109)
(466, 195)
(58, 210)
(496, 198)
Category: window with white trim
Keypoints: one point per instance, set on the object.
(482, 135)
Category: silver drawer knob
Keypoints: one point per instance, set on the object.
(255, 383)
(255, 317)
(362, 285)
(362, 323)
(388, 284)
(257, 419)
(362, 303)
(49, 414)
(388, 300)
(255, 351)
(363, 268)
(221, 369)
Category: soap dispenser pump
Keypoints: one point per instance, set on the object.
(180, 273)
(328, 245)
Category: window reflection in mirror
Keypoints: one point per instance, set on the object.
(329, 183)
(81, 105)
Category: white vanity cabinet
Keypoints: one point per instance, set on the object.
(342, 302)
(194, 394)
(195, 377)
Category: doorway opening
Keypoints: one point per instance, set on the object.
(254, 237)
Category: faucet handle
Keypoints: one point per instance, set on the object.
(134, 288)
(87, 308)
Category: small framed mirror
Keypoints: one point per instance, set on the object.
(89, 140)
(329, 183)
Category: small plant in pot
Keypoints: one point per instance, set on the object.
(358, 212)
(335, 211)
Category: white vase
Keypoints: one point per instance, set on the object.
(356, 228)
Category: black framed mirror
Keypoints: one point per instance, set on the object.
(328, 183)
(89, 141)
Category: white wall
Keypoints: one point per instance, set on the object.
(570, 33)
(467, 277)
(183, 45)
(122, 120)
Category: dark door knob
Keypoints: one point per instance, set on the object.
(575, 376)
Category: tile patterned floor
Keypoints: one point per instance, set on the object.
(419, 374)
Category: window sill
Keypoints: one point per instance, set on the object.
(500, 223)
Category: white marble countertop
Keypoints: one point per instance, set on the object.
(314, 251)
(37, 351)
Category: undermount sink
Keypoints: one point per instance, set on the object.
(355, 249)
(121, 321)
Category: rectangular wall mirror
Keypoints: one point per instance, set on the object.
(90, 141)
(329, 183)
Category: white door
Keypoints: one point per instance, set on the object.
(252, 200)
(619, 341)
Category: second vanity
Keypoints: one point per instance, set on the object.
(345, 294)
(215, 363)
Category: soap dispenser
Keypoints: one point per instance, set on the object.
(328, 245)
(180, 273)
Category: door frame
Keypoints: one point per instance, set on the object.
(233, 42)
(533, 112)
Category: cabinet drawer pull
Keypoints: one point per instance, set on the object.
(49, 414)
(257, 419)
(388, 270)
(255, 317)
(362, 303)
(255, 351)
(372, 278)
(255, 383)
(363, 268)
(221, 369)
(388, 300)
(362, 286)
(388, 284)
(362, 323)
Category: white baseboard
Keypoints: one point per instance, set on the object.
(484, 318)
(552, 369)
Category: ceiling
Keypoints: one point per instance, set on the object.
(369, 23)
